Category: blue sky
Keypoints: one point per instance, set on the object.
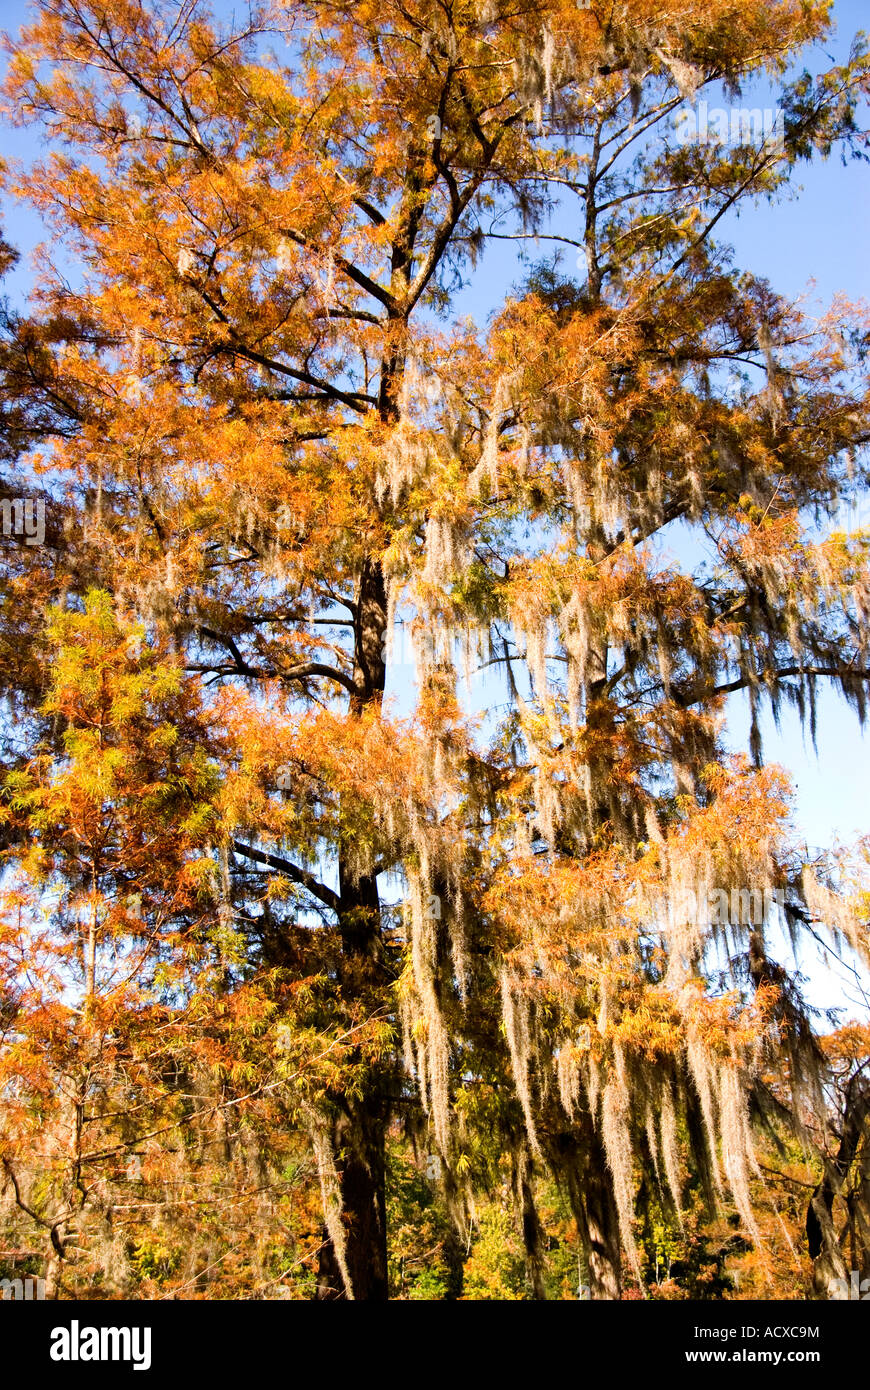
(816, 243)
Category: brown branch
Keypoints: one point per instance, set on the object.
(301, 876)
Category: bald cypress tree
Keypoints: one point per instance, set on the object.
(282, 452)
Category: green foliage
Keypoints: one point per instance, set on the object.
(496, 1267)
(153, 1258)
(422, 1241)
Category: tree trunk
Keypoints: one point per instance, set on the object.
(358, 1138)
(360, 1124)
(830, 1276)
(602, 1234)
(531, 1227)
(579, 1164)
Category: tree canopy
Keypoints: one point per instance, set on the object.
(304, 961)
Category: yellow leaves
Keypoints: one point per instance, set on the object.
(405, 984)
(747, 814)
(278, 888)
(850, 1043)
(155, 1258)
(651, 1028)
(723, 1025)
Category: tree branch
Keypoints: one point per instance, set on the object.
(301, 876)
